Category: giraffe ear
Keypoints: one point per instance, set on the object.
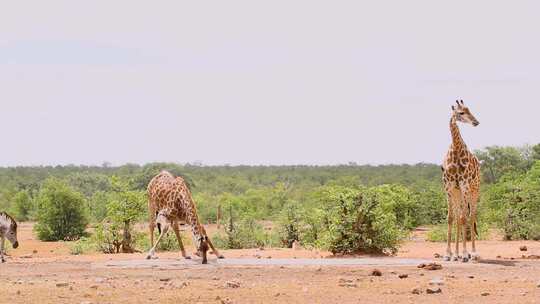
(453, 109)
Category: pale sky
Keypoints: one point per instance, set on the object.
(263, 82)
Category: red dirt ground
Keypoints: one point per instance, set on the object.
(32, 273)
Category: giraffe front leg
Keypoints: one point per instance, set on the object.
(214, 250)
(152, 251)
(458, 233)
(465, 257)
(448, 255)
(176, 230)
(474, 255)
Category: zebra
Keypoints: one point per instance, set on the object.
(8, 230)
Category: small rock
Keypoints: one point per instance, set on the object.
(437, 282)
(215, 278)
(376, 273)
(18, 292)
(416, 291)
(232, 284)
(485, 294)
(403, 276)
(433, 290)
(319, 269)
(430, 266)
(94, 287)
(277, 294)
(165, 279)
(523, 248)
(34, 251)
(538, 284)
(437, 256)
(470, 277)
(348, 285)
(62, 284)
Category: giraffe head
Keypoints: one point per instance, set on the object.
(202, 247)
(162, 220)
(463, 114)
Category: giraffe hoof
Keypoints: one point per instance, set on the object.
(446, 258)
(187, 257)
(455, 259)
(464, 260)
(148, 257)
(220, 256)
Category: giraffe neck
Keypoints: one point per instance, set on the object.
(193, 219)
(457, 141)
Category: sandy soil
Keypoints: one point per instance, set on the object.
(40, 272)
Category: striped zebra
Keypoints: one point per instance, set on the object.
(8, 230)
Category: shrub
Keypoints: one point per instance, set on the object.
(23, 206)
(246, 233)
(61, 214)
(82, 246)
(515, 204)
(290, 223)
(431, 204)
(358, 221)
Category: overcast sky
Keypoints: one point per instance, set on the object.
(263, 82)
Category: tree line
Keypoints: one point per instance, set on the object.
(338, 207)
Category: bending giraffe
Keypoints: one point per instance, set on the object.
(461, 176)
(169, 202)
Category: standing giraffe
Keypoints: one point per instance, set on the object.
(170, 201)
(461, 176)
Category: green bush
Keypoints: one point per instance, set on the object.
(359, 221)
(247, 233)
(290, 223)
(515, 204)
(82, 246)
(61, 213)
(431, 204)
(23, 206)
